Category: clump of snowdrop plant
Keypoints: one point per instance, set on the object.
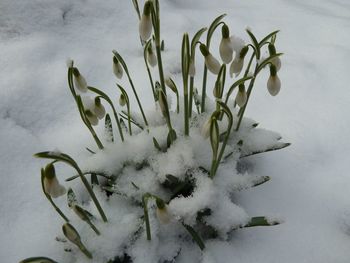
(162, 180)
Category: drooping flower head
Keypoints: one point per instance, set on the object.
(226, 47)
(241, 97)
(273, 83)
(117, 68)
(145, 26)
(210, 61)
(238, 62)
(52, 187)
(79, 81)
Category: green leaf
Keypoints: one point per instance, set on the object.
(212, 28)
(145, 198)
(261, 221)
(260, 180)
(38, 260)
(71, 198)
(171, 137)
(108, 129)
(136, 6)
(273, 148)
(195, 236)
(156, 144)
(265, 39)
(236, 84)
(255, 44)
(267, 61)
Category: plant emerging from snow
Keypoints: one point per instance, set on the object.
(168, 179)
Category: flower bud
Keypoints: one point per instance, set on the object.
(79, 81)
(241, 97)
(151, 57)
(214, 136)
(122, 100)
(145, 26)
(226, 47)
(162, 212)
(163, 103)
(73, 236)
(273, 83)
(99, 109)
(217, 90)
(91, 117)
(192, 68)
(205, 131)
(171, 84)
(117, 68)
(71, 233)
(52, 186)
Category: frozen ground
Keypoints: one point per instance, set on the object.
(310, 181)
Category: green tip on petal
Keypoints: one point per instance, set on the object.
(76, 72)
(50, 171)
(243, 52)
(147, 8)
(203, 48)
(225, 31)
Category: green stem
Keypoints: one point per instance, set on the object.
(91, 192)
(191, 97)
(160, 68)
(137, 99)
(249, 91)
(148, 70)
(145, 211)
(223, 146)
(204, 94)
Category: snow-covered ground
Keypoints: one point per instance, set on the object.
(310, 182)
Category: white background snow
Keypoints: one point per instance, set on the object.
(310, 183)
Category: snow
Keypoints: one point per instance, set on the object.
(309, 183)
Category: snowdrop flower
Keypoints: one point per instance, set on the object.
(241, 97)
(99, 109)
(214, 136)
(51, 185)
(117, 68)
(145, 26)
(226, 48)
(273, 83)
(91, 117)
(237, 64)
(275, 61)
(205, 131)
(170, 83)
(72, 234)
(151, 57)
(122, 100)
(162, 212)
(79, 81)
(212, 63)
(163, 104)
